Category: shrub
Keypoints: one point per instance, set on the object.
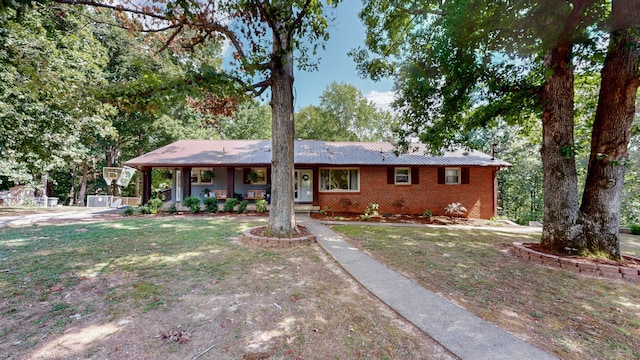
(144, 209)
(261, 205)
(172, 209)
(129, 211)
(193, 203)
(229, 204)
(324, 210)
(211, 204)
(242, 208)
(399, 204)
(635, 229)
(370, 211)
(346, 203)
(154, 205)
(427, 213)
(455, 209)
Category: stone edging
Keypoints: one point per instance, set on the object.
(268, 242)
(576, 265)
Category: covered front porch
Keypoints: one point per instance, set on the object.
(243, 183)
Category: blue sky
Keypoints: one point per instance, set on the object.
(347, 32)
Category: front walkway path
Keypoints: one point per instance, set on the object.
(464, 334)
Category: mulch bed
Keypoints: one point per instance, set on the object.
(302, 231)
(628, 261)
(391, 218)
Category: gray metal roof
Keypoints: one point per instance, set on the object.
(306, 152)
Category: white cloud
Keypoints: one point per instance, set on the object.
(381, 99)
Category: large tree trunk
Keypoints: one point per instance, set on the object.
(282, 222)
(558, 158)
(83, 185)
(602, 197)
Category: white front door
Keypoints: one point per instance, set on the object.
(303, 186)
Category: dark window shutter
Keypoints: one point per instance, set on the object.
(245, 175)
(440, 175)
(415, 175)
(268, 175)
(465, 175)
(391, 175)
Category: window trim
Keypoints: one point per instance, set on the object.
(321, 189)
(446, 178)
(198, 176)
(395, 176)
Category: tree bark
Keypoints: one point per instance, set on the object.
(83, 185)
(72, 188)
(602, 197)
(557, 152)
(282, 222)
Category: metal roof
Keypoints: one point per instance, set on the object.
(203, 153)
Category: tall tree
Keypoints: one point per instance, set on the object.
(264, 36)
(468, 62)
(47, 63)
(600, 208)
(251, 121)
(344, 114)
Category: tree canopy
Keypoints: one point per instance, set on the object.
(464, 64)
(344, 114)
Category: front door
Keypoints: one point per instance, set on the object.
(303, 186)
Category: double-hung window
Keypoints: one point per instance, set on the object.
(402, 176)
(452, 176)
(339, 180)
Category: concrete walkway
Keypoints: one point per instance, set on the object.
(464, 334)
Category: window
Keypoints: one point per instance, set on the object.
(202, 176)
(452, 176)
(402, 176)
(339, 179)
(258, 176)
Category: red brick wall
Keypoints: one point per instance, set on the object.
(479, 196)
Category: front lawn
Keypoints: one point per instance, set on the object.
(572, 316)
(177, 287)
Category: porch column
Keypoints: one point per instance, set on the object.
(230, 176)
(315, 185)
(146, 184)
(186, 182)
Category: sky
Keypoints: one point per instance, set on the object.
(347, 33)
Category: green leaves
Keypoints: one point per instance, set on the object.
(344, 114)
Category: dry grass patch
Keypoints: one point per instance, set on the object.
(574, 317)
(180, 287)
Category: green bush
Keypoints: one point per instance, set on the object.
(261, 205)
(144, 209)
(129, 211)
(370, 211)
(193, 203)
(211, 205)
(172, 209)
(427, 213)
(229, 204)
(242, 208)
(635, 229)
(154, 205)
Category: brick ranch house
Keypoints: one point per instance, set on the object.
(338, 176)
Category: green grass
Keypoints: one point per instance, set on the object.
(574, 317)
(158, 273)
(42, 261)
